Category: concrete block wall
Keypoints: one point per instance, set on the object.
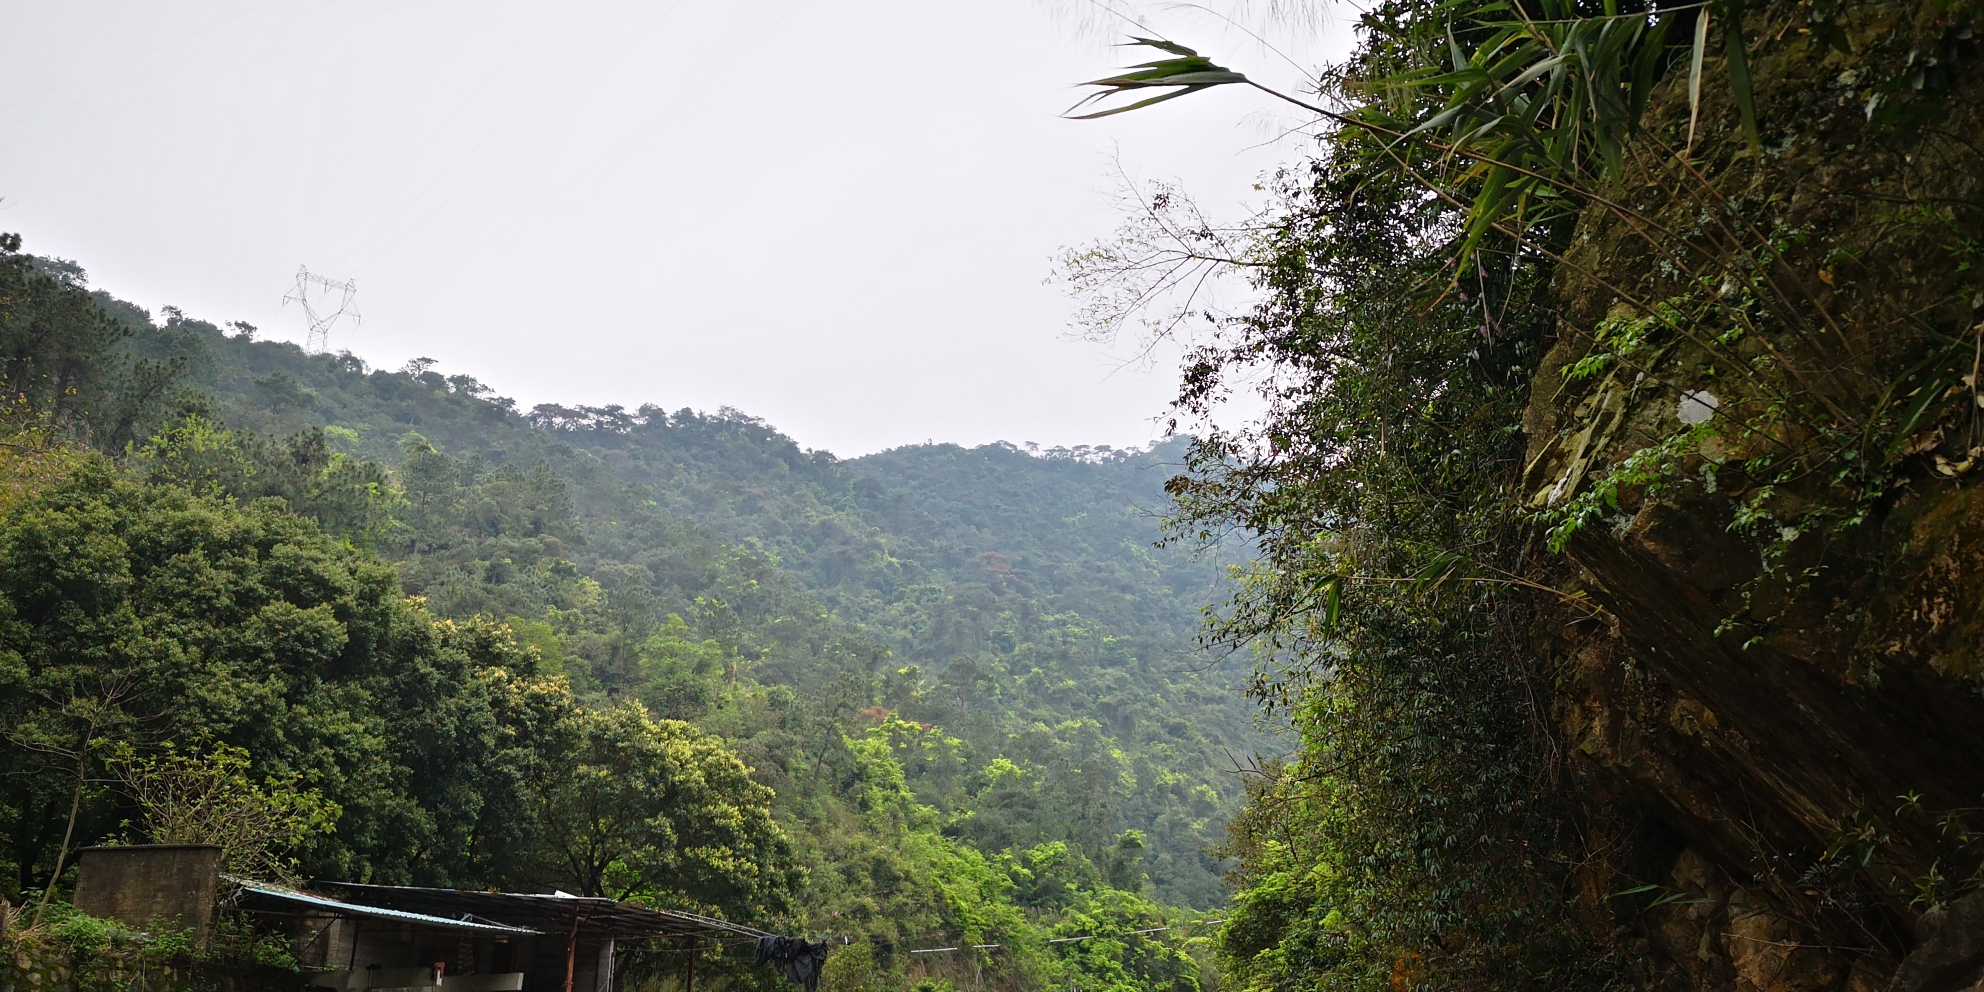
(147, 885)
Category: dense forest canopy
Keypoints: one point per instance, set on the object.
(671, 657)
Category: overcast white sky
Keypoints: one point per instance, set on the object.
(834, 214)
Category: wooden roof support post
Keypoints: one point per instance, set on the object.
(571, 952)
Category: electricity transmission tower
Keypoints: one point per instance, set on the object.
(308, 284)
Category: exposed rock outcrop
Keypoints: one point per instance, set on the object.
(1781, 708)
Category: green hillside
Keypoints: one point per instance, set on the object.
(1015, 600)
(993, 629)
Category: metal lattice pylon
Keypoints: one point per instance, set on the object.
(319, 339)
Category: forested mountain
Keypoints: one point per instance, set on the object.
(1013, 599)
(1612, 554)
(965, 678)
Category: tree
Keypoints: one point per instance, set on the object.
(252, 628)
(348, 497)
(62, 356)
(658, 811)
(193, 796)
(70, 730)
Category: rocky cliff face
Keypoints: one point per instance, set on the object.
(1763, 418)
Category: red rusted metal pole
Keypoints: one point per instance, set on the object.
(571, 951)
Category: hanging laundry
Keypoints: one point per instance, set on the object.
(802, 959)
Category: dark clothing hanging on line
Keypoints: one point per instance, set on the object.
(802, 959)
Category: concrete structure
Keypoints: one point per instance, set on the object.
(148, 886)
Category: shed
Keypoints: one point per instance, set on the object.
(575, 937)
(349, 946)
(391, 936)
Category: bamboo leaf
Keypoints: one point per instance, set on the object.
(1646, 64)
(1140, 104)
(1614, 155)
(1679, 899)
(1695, 74)
(1543, 90)
(1739, 72)
(1190, 72)
(1211, 77)
(1161, 45)
(1931, 397)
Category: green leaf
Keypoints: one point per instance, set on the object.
(1930, 397)
(1161, 45)
(1695, 73)
(1190, 72)
(1679, 899)
(1140, 104)
(1646, 66)
(1487, 208)
(1739, 72)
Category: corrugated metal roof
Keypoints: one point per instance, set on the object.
(293, 897)
(596, 917)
